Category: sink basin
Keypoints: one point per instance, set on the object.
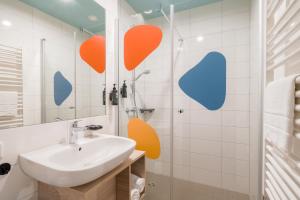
(66, 165)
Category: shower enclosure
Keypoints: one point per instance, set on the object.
(204, 153)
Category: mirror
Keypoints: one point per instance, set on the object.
(52, 61)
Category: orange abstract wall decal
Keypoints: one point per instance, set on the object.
(93, 52)
(145, 136)
(139, 42)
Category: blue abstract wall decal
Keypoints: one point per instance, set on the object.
(206, 82)
(62, 88)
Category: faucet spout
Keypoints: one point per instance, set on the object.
(74, 132)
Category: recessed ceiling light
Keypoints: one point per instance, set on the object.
(200, 38)
(6, 23)
(148, 12)
(93, 18)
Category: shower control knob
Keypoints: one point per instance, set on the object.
(180, 111)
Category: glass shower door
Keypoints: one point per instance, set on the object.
(148, 94)
(212, 102)
(203, 122)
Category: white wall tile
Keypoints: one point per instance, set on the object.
(206, 147)
(235, 134)
(205, 132)
(181, 157)
(182, 172)
(206, 162)
(182, 130)
(236, 151)
(205, 117)
(211, 26)
(181, 144)
(236, 21)
(237, 167)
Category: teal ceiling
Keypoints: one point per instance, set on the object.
(73, 12)
(144, 5)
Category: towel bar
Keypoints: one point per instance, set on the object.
(274, 151)
(11, 74)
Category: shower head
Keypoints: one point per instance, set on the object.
(141, 74)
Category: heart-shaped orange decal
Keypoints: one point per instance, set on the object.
(92, 51)
(139, 42)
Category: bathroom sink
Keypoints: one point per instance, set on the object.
(67, 165)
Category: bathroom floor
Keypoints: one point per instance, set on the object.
(158, 189)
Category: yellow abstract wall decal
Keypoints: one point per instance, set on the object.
(145, 136)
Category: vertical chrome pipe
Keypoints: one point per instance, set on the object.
(172, 100)
(134, 93)
(42, 80)
(168, 20)
(75, 73)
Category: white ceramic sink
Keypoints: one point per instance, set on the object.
(72, 165)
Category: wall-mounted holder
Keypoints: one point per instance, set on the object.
(94, 127)
(5, 168)
(132, 110)
(123, 91)
(113, 96)
(104, 95)
(149, 110)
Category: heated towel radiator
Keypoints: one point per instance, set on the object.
(11, 79)
(281, 177)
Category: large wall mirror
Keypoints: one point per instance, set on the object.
(52, 61)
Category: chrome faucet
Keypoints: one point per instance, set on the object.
(74, 131)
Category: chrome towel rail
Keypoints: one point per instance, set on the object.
(11, 79)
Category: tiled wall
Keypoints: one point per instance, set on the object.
(210, 147)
